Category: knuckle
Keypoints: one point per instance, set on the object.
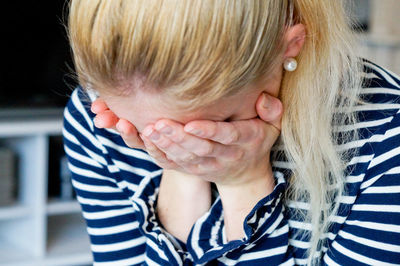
(187, 158)
(178, 137)
(258, 132)
(170, 158)
(212, 131)
(231, 138)
(206, 150)
(164, 143)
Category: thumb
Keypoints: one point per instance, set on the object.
(270, 109)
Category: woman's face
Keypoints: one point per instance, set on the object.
(143, 108)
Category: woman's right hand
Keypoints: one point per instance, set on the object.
(105, 118)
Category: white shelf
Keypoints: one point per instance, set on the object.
(11, 254)
(23, 122)
(35, 230)
(67, 244)
(21, 128)
(14, 211)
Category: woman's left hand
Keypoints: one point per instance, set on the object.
(218, 152)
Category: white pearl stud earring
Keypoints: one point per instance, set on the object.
(290, 64)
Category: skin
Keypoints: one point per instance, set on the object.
(199, 147)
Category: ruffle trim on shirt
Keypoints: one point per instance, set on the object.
(206, 239)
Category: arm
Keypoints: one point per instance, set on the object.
(181, 201)
(117, 199)
(109, 214)
(239, 199)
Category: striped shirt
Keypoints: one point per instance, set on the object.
(117, 188)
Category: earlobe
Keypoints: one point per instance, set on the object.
(294, 37)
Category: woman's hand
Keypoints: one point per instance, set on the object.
(203, 148)
(208, 149)
(217, 151)
(105, 118)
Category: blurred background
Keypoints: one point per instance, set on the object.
(40, 220)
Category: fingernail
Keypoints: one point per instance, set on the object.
(147, 131)
(266, 103)
(194, 131)
(98, 122)
(155, 135)
(151, 133)
(119, 128)
(167, 130)
(163, 128)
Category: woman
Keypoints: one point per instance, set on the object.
(180, 88)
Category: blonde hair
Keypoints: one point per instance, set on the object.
(202, 50)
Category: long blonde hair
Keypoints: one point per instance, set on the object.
(202, 50)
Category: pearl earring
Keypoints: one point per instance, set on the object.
(290, 64)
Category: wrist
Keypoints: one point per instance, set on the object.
(181, 201)
(239, 199)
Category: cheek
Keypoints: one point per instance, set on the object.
(247, 111)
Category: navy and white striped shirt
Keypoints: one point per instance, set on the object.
(117, 188)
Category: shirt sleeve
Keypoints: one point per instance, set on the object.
(117, 198)
(371, 233)
(266, 234)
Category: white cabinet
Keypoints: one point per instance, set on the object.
(37, 230)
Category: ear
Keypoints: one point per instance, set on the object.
(294, 39)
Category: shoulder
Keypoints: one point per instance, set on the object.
(380, 86)
(79, 118)
(378, 76)
(379, 101)
(78, 108)
(379, 124)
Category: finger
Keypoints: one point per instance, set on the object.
(174, 132)
(129, 134)
(106, 119)
(171, 149)
(99, 106)
(270, 110)
(235, 132)
(201, 147)
(158, 156)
